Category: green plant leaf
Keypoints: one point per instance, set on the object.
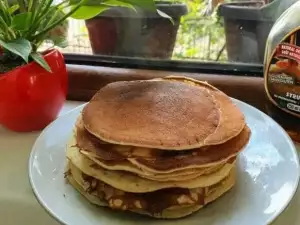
(61, 42)
(145, 4)
(13, 8)
(22, 5)
(20, 47)
(22, 21)
(87, 12)
(86, 2)
(38, 58)
(162, 14)
(118, 3)
(4, 13)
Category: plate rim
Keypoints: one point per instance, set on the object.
(30, 163)
(235, 101)
(293, 147)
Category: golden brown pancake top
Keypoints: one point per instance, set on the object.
(232, 120)
(157, 114)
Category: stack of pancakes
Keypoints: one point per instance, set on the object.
(162, 147)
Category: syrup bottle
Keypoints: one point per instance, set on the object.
(282, 71)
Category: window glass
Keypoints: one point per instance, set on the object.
(202, 31)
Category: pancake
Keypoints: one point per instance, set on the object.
(119, 163)
(130, 182)
(232, 120)
(211, 156)
(166, 214)
(112, 156)
(163, 147)
(173, 176)
(146, 114)
(168, 203)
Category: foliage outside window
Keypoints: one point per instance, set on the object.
(200, 36)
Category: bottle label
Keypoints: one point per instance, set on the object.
(282, 76)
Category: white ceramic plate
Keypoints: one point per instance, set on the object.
(267, 179)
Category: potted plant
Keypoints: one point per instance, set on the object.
(33, 84)
(247, 25)
(122, 32)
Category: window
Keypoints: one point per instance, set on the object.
(207, 35)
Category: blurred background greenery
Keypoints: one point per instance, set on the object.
(200, 36)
